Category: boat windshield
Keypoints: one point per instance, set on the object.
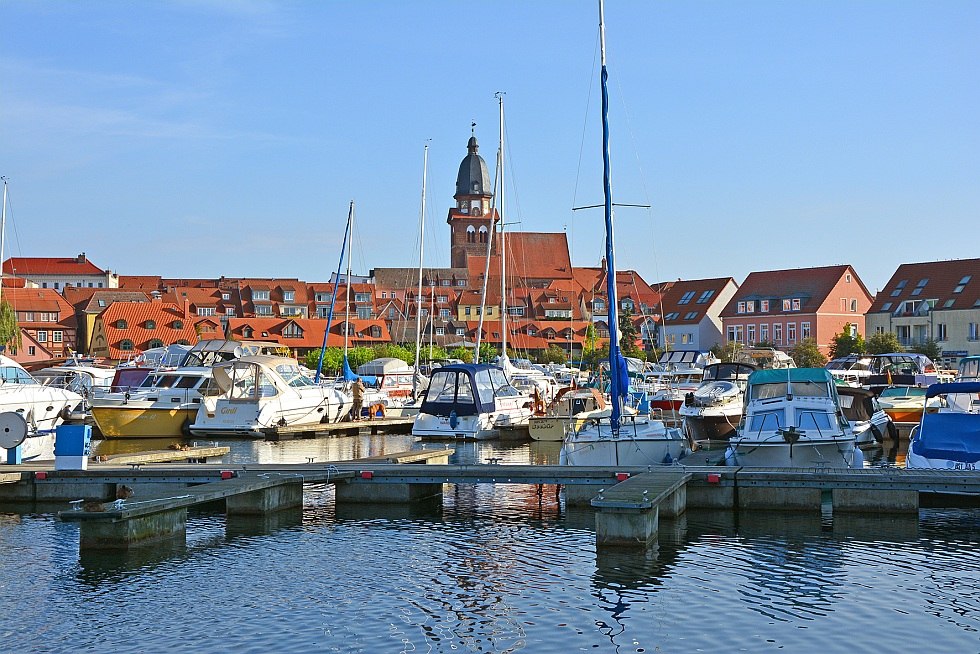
(484, 387)
(766, 420)
(502, 388)
(448, 387)
(294, 376)
(15, 375)
(798, 388)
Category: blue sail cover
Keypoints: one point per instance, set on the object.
(350, 375)
(949, 435)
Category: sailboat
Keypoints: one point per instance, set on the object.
(29, 411)
(474, 401)
(619, 434)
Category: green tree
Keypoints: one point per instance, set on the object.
(769, 344)
(553, 354)
(882, 343)
(726, 352)
(806, 354)
(391, 350)
(487, 352)
(9, 328)
(628, 335)
(843, 344)
(930, 348)
(333, 359)
(462, 353)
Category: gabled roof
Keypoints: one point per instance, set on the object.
(942, 279)
(312, 331)
(530, 255)
(40, 300)
(148, 282)
(95, 300)
(41, 266)
(810, 285)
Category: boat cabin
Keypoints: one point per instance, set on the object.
(466, 390)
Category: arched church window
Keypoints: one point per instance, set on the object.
(483, 235)
(470, 234)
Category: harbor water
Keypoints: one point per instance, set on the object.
(492, 568)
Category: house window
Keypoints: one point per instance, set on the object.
(764, 333)
(101, 303)
(121, 324)
(941, 332)
(750, 334)
(442, 299)
(443, 313)
(177, 324)
(150, 324)
(205, 311)
(460, 282)
(466, 311)
(948, 304)
(750, 306)
(515, 311)
(440, 331)
(690, 315)
(263, 310)
(391, 312)
(362, 297)
(31, 350)
(57, 336)
(687, 297)
(384, 295)
(423, 312)
(777, 333)
(796, 304)
(899, 287)
(230, 311)
(854, 305)
(740, 307)
(886, 306)
(804, 330)
(973, 333)
(735, 333)
(787, 305)
(260, 295)
(705, 297)
(963, 282)
(289, 296)
(226, 296)
(598, 305)
(461, 331)
(490, 311)
(763, 306)
(364, 313)
(847, 278)
(156, 342)
(126, 345)
(791, 332)
(42, 336)
(247, 332)
(375, 331)
(292, 330)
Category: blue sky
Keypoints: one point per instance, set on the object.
(201, 138)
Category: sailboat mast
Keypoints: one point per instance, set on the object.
(350, 244)
(3, 230)
(503, 246)
(418, 313)
(615, 359)
(333, 297)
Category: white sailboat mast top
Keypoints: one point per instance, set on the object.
(350, 244)
(418, 312)
(503, 247)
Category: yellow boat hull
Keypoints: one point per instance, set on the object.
(122, 421)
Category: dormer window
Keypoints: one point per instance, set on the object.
(177, 324)
(150, 324)
(122, 324)
(288, 296)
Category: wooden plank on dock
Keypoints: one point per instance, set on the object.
(641, 491)
(376, 425)
(166, 456)
(409, 456)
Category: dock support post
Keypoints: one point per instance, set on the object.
(281, 496)
(133, 532)
(626, 527)
(875, 501)
(579, 494)
(367, 493)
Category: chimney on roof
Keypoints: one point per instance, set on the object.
(156, 296)
(80, 258)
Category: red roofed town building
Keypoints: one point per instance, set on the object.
(786, 306)
(88, 303)
(57, 273)
(934, 301)
(47, 324)
(691, 312)
(303, 335)
(125, 329)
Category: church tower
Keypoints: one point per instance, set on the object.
(471, 221)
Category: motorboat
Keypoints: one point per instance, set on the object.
(260, 392)
(88, 380)
(904, 404)
(900, 369)
(165, 404)
(391, 382)
(713, 410)
(677, 384)
(852, 369)
(793, 418)
(869, 422)
(948, 436)
(41, 407)
(968, 369)
(560, 414)
(470, 402)
(765, 358)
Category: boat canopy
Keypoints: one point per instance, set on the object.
(212, 351)
(953, 388)
(465, 390)
(770, 376)
(383, 366)
(688, 358)
(260, 375)
(728, 371)
(969, 368)
(949, 435)
(805, 382)
(857, 403)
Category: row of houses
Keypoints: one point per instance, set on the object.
(922, 302)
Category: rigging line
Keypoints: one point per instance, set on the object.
(585, 120)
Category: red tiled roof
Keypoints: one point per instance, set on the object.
(40, 300)
(530, 255)
(149, 282)
(942, 278)
(696, 288)
(136, 314)
(810, 285)
(39, 266)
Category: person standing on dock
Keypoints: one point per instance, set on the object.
(358, 390)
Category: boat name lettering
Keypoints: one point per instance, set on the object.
(227, 410)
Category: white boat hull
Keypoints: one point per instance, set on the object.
(832, 453)
(640, 443)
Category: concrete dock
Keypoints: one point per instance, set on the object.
(349, 428)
